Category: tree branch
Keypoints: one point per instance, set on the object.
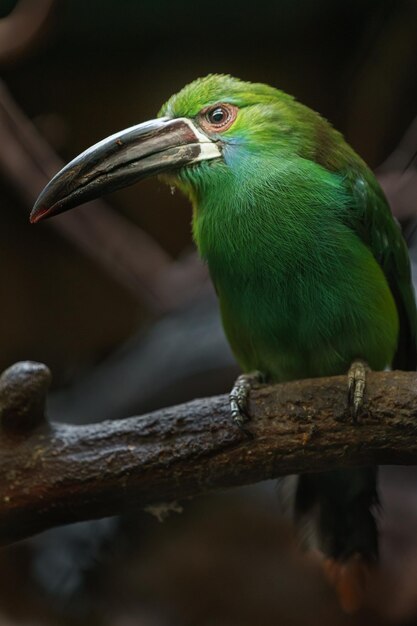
(53, 474)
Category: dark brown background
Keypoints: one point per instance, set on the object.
(102, 65)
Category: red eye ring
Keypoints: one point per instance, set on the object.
(218, 117)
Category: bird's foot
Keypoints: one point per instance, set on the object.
(356, 387)
(239, 397)
(350, 579)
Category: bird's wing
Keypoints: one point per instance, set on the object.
(374, 224)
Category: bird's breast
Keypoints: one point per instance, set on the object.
(303, 305)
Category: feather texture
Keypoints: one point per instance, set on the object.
(309, 266)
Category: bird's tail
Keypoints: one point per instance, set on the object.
(335, 513)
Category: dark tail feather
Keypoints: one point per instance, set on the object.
(334, 511)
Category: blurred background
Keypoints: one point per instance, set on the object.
(113, 299)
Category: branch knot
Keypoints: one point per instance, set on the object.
(23, 389)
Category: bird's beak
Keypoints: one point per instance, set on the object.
(150, 148)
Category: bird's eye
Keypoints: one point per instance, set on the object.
(218, 117)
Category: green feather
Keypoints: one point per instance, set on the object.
(310, 268)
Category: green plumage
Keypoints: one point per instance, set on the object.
(310, 268)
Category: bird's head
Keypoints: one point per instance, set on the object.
(204, 131)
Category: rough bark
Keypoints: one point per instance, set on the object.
(54, 474)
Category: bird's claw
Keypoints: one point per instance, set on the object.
(239, 398)
(356, 387)
(239, 401)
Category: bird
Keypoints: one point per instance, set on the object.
(310, 268)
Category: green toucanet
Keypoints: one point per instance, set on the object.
(309, 266)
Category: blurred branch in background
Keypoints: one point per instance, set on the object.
(132, 257)
(54, 474)
(23, 28)
(398, 176)
(380, 98)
